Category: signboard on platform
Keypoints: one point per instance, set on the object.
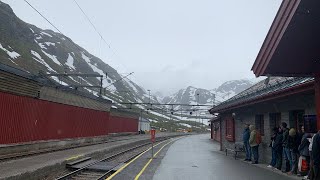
(153, 135)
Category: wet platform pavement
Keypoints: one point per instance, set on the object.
(197, 157)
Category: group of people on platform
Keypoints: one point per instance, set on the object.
(296, 148)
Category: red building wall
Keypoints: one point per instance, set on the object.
(24, 119)
(119, 124)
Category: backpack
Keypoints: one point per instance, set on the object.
(258, 137)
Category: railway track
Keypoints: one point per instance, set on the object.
(116, 161)
(31, 153)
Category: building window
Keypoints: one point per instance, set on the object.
(275, 120)
(260, 123)
(230, 129)
(310, 123)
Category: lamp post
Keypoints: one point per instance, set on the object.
(149, 96)
(197, 107)
(214, 99)
(197, 98)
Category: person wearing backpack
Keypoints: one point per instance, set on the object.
(293, 148)
(278, 148)
(254, 141)
(303, 149)
(245, 137)
(273, 162)
(315, 153)
(286, 151)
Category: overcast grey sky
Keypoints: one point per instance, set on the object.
(169, 44)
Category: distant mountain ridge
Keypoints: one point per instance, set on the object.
(193, 95)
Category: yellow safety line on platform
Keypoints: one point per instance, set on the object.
(119, 170)
(145, 166)
(74, 157)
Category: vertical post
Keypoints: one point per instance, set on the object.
(101, 78)
(153, 136)
(140, 121)
(317, 98)
(220, 132)
(152, 151)
(214, 100)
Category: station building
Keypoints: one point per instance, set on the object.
(290, 58)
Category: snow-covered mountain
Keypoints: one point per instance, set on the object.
(192, 95)
(40, 52)
(35, 50)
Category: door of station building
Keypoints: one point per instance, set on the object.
(274, 120)
(296, 119)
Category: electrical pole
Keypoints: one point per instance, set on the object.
(214, 99)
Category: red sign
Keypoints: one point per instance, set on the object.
(153, 135)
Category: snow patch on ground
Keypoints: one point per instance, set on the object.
(53, 57)
(12, 54)
(47, 34)
(63, 39)
(70, 61)
(39, 59)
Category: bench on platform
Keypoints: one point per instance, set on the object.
(237, 148)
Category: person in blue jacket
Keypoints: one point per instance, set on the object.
(246, 136)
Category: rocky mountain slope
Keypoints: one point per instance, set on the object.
(30, 48)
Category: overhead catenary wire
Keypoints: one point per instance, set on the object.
(54, 26)
(94, 27)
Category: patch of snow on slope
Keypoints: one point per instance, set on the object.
(47, 34)
(53, 57)
(151, 120)
(131, 84)
(74, 79)
(161, 115)
(140, 106)
(96, 69)
(39, 37)
(31, 30)
(40, 60)
(85, 81)
(60, 82)
(50, 43)
(70, 61)
(12, 54)
(184, 124)
(40, 45)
